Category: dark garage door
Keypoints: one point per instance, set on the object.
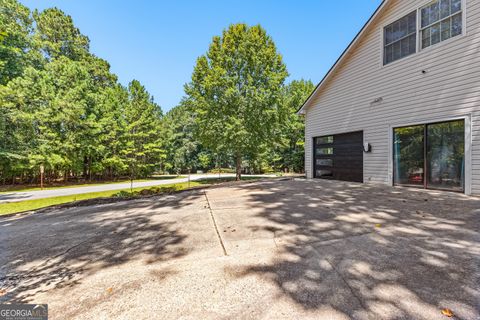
(339, 157)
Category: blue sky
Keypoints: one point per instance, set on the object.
(157, 42)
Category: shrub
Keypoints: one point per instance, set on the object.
(222, 170)
(123, 194)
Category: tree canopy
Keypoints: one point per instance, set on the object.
(235, 92)
(63, 109)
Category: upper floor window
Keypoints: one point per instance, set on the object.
(441, 20)
(400, 38)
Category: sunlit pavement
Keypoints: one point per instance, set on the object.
(41, 194)
(262, 250)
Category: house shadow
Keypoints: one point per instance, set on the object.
(370, 252)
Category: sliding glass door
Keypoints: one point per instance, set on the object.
(409, 151)
(430, 155)
(445, 155)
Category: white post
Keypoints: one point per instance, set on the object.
(42, 170)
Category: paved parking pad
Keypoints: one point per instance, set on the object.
(262, 250)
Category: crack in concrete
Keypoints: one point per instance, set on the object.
(328, 241)
(350, 288)
(30, 274)
(215, 225)
(352, 291)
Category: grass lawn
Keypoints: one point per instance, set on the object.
(27, 205)
(10, 188)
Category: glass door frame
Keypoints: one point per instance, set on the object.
(467, 153)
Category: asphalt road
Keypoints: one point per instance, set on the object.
(274, 249)
(40, 194)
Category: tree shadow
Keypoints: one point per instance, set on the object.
(370, 252)
(59, 248)
(6, 197)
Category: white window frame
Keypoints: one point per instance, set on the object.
(419, 34)
(467, 118)
(420, 29)
(384, 40)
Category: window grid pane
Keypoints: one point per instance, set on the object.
(440, 21)
(446, 29)
(324, 173)
(325, 151)
(434, 12)
(400, 38)
(325, 162)
(444, 9)
(439, 10)
(457, 25)
(426, 38)
(325, 140)
(456, 6)
(425, 17)
(435, 34)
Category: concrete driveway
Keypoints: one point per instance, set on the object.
(263, 250)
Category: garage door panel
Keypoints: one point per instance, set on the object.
(347, 164)
(340, 158)
(346, 151)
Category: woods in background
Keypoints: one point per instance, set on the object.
(62, 108)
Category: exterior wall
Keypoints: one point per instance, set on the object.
(450, 89)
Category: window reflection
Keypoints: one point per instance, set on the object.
(324, 151)
(409, 155)
(445, 155)
(438, 147)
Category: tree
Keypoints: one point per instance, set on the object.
(61, 107)
(15, 39)
(50, 112)
(183, 149)
(235, 92)
(142, 139)
(292, 131)
(56, 35)
(113, 104)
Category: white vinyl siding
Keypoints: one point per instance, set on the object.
(449, 88)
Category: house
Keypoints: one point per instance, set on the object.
(401, 106)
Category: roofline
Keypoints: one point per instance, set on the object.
(342, 56)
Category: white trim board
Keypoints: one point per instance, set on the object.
(468, 145)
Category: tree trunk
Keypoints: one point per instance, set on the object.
(90, 168)
(238, 167)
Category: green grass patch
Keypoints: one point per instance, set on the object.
(28, 205)
(19, 188)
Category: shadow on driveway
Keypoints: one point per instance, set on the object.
(58, 248)
(296, 249)
(403, 254)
